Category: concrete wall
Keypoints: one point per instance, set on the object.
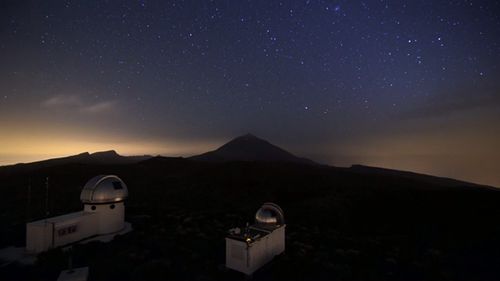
(237, 255)
(109, 220)
(85, 227)
(38, 237)
(277, 241)
(260, 253)
(59, 231)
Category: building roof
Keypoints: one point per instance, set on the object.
(249, 234)
(270, 213)
(67, 218)
(104, 189)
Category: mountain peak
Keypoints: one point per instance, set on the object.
(246, 140)
(250, 148)
(249, 136)
(105, 153)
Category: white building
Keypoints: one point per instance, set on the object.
(249, 249)
(103, 215)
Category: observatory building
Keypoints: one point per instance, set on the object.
(249, 249)
(102, 218)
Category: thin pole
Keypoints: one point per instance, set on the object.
(70, 259)
(28, 203)
(47, 213)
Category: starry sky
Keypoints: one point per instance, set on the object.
(410, 85)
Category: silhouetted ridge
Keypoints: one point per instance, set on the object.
(250, 148)
(110, 157)
(108, 153)
(428, 179)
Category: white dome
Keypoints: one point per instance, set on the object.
(104, 189)
(270, 213)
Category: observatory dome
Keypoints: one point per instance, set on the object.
(270, 213)
(104, 189)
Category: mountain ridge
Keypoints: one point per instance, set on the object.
(245, 148)
(107, 157)
(429, 179)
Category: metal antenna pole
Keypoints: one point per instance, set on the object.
(47, 197)
(70, 259)
(28, 204)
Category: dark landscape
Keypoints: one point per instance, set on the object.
(357, 223)
(250, 140)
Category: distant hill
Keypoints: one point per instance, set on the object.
(103, 158)
(111, 157)
(425, 180)
(250, 148)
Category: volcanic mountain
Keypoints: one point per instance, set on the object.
(250, 148)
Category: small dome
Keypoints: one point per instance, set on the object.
(104, 189)
(270, 213)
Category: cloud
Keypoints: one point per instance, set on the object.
(457, 98)
(63, 101)
(77, 103)
(99, 107)
(444, 107)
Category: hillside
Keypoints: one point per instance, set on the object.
(358, 223)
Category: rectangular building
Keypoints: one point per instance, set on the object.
(58, 231)
(257, 245)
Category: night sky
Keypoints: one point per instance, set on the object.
(408, 85)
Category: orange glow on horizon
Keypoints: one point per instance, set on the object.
(33, 146)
